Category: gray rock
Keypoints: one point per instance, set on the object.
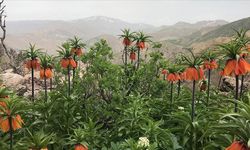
(228, 84)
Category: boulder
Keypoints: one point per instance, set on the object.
(12, 79)
(228, 84)
(21, 84)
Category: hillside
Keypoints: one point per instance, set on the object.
(184, 29)
(48, 34)
(225, 30)
(211, 36)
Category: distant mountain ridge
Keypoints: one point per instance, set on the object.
(227, 30)
(48, 34)
(87, 27)
(183, 29)
(214, 35)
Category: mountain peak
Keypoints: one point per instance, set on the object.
(211, 23)
(182, 23)
(102, 18)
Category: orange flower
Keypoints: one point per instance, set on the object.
(126, 42)
(68, 62)
(194, 74)
(234, 67)
(183, 76)
(178, 77)
(16, 123)
(72, 63)
(164, 71)
(65, 62)
(141, 45)
(78, 52)
(32, 64)
(132, 55)
(172, 77)
(80, 147)
(3, 104)
(4, 122)
(236, 145)
(48, 73)
(221, 73)
(210, 65)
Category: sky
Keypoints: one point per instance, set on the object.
(154, 12)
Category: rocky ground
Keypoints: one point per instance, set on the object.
(21, 84)
(229, 84)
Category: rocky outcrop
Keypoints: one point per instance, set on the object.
(228, 84)
(21, 84)
(13, 60)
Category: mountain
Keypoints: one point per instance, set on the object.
(218, 35)
(227, 30)
(49, 34)
(183, 29)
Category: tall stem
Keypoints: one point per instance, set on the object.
(126, 57)
(32, 84)
(138, 58)
(125, 70)
(179, 88)
(11, 133)
(193, 102)
(219, 81)
(242, 86)
(74, 71)
(51, 84)
(171, 93)
(45, 88)
(208, 86)
(68, 81)
(236, 93)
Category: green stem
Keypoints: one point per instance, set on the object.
(74, 71)
(126, 69)
(68, 81)
(11, 133)
(45, 88)
(32, 85)
(219, 81)
(51, 84)
(208, 86)
(236, 93)
(179, 87)
(171, 93)
(126, 58)
(193, 102)
(242, 86)
(138, 58)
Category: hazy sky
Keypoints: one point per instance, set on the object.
(155, 12)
